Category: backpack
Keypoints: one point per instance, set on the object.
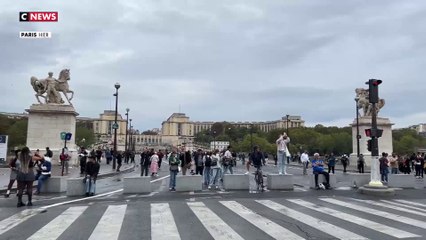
(226, 161)
(208, 162)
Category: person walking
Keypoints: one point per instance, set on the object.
(174, 163)
(154, 159)
(160, 158)
(304, 158)
(282, 150)
(361, 163)
(14, 166)
(145, 163)
(393, 162)
(216, 169)
(199, 162)
(331, 163)
(384, 167)
(207, 168)
(227, 161)
(108, 156)
(119, 158)
(91, 174)
(345, 162)
(25, 175)
(185, 160)
(83, 159)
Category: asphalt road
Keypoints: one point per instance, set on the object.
(341, 213)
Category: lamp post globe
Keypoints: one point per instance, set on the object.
(117, 86)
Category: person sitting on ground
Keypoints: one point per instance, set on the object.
(45, 173)
(318, 168)
(92, 171)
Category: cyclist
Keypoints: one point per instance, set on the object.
(256, 158)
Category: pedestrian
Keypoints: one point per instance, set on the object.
(282, 150)
(199, 163)
(14, 166)
(108, 156)
(145, 163)
(207, 168)
(132, 157)
(227, 161)
(83, 159)
(174, 169)
(49, 153)
(25, 175)
(393, 163)
(216, 169)
(45, 173)
(154, 165)
(331, 163)
(119, 158)
(361, 163)
(91, 174)
(318, 168)
(98, 155)
(185, 160)
(65, 159)
(345, 162)
(160, 158)
(384, 167)
(304, 158)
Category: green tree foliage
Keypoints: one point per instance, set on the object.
(407, 141)
(16, 129)
(82, 132)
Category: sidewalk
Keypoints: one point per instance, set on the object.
(73, 172)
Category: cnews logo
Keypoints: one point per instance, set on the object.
(38, 16)
(34, 34)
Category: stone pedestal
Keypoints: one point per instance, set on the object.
(45, 123)
(385, 141)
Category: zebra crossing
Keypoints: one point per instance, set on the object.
(290, 218)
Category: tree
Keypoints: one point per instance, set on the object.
(149, 132)
(82, 132)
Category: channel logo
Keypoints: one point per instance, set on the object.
(38, 16)
(35, 34)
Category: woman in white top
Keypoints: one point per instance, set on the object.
(216, 169)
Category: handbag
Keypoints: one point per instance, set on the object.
(174, 167)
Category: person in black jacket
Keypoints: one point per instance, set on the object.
(83, 160)
(145, 162)
(185, 159)
(92, 171)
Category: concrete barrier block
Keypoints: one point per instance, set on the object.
(359, 179)
(401, 180)
(280, 182)
(54, 184)
(185, 183)
(136, 184)
(321, 179)
(236, 181)
(75, 187)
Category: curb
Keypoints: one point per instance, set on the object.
(100, 176)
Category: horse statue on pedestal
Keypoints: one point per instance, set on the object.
(50, 87)
(364, 103)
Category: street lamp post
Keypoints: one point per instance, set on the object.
(131, 135)
(127, 128)
(214, 140)
(357, 126)
(287, 116)
(115, 126)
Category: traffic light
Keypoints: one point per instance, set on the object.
(373, 90)
(369, 145)
(368, 132)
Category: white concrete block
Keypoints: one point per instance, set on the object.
(75, 187)
(137, 184)
(321, 179)
(402, 180)
(236, 181)
(359, 179)
(280, 182)
(185, 183)
(54, 184)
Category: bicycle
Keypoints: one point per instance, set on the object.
(258, 177)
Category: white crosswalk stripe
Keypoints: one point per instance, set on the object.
(57, 226)
(110, 224)
(395, 217)
(314, 222)
(214, 224)
(354, 219)
(272, 229)
(223, 220)
(411, 203)
(163, 225)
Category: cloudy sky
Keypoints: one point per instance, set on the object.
(232, 60)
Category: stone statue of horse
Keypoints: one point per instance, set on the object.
(364, 103)
(61, 85)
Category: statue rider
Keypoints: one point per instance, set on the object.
(53, 96)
